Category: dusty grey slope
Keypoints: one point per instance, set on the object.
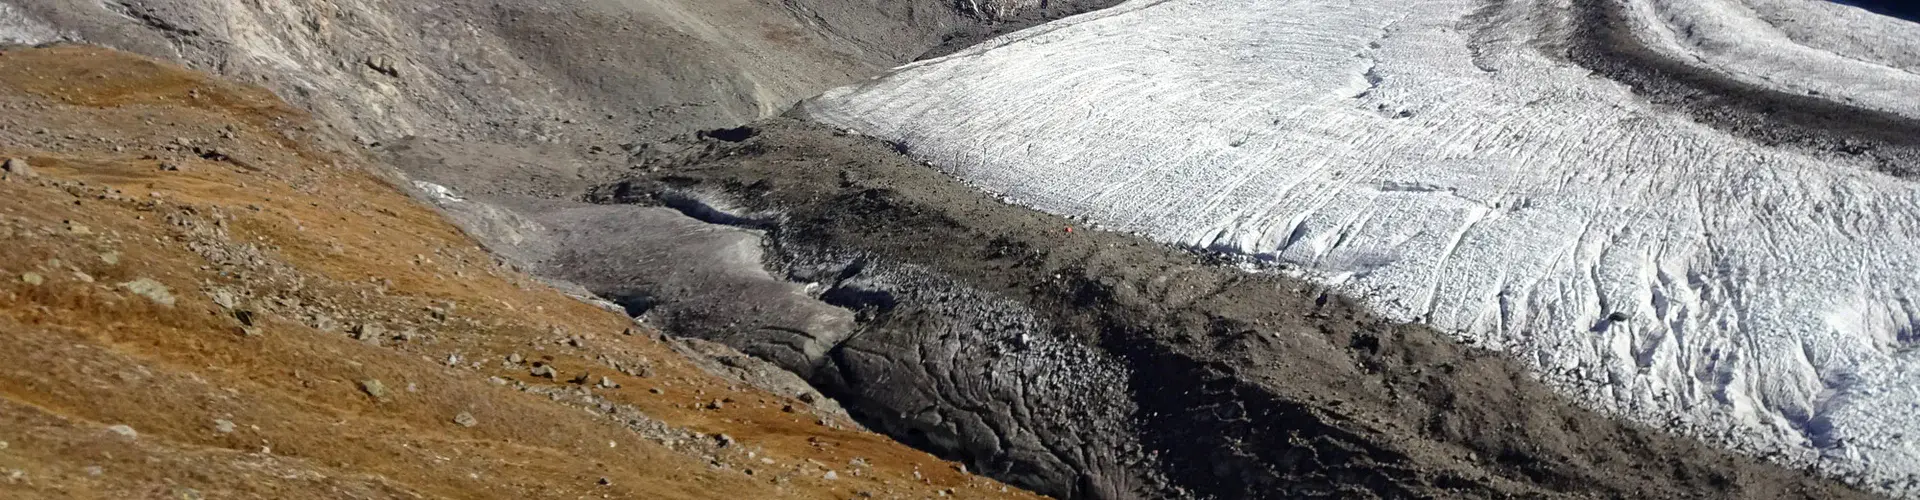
(590, 72)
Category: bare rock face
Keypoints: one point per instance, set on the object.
(527, 72)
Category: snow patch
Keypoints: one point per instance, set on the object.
(437, 193)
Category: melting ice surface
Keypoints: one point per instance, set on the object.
(1424, 157)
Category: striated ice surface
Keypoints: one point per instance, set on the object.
(1427, 158)
(1815, 47)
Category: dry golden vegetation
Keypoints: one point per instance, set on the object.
(203, 296)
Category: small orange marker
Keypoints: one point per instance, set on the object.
(1069, 229)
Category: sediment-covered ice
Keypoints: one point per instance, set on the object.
(1438, 160)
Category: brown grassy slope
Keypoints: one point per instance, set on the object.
(144, 171)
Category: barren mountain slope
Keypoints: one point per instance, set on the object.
(582, 72)
(205, 296)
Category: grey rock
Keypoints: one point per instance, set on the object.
(19, 167)
(152, 290)
(323, 322)
(465, 419)
(224, 298)
(375, 388)
(222, 426)
(124, 431)
(367, 332)
(246, 317)
(384, 65)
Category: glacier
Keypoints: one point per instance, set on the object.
(1803, 46)
(1445, 162)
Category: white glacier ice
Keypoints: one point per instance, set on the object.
(1814, 47)
(1431, 159)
